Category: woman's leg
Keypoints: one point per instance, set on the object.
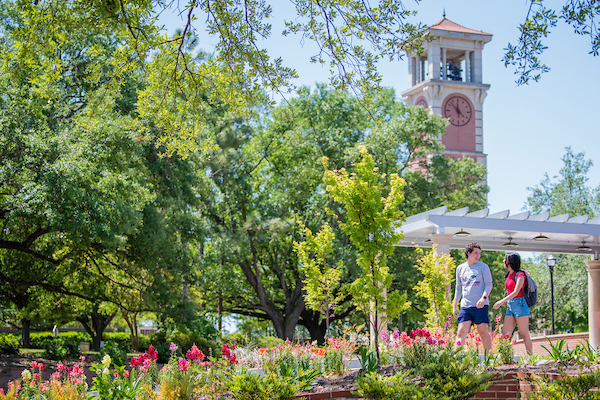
(508, 326)
(523, 324)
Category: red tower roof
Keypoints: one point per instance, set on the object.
(447, 25)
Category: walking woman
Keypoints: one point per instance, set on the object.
(517, 312)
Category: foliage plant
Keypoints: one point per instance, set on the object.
(438, 273)
(370, 222)
(250, 386)
(559, 352)
(114, 384)
(333, 360)
(505, 350)
(576, 387)
(59, 349)
(401, 386)
(321, 283)
(9, 344)
(445, 373)
(368, 360)
(585, 355)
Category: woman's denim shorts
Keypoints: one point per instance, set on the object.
(517, 307)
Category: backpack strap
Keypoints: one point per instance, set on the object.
(524, 282)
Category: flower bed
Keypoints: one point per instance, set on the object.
(418, 362)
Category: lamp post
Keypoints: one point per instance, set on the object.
(551, 262)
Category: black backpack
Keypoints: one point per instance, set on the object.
(530, 290)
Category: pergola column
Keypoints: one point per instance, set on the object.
(594, 301)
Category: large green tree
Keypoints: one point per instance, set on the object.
(266, 175)
(568, 192)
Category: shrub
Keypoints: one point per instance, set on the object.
(58, 349)
(373, 386)
(250, 386)
(122, 339)
(269, 341)
(239, 339)
(117, 355)
(578, 387)
(9, 344)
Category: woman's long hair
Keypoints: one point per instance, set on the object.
(514, 262)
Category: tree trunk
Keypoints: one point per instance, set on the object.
(95, 323)
(131, 320)
(25, 332)
(311, 320)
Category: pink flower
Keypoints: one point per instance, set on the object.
(458, 343)
(41, 366)
(173, 347)
(287, 341)
(514, 341)
(183, 364)
(81, 358)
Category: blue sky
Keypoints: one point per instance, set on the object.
(526, 128)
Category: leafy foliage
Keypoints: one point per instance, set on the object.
(540, 19)
(438, 272)
(370, 222)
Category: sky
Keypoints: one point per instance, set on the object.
(525, 128)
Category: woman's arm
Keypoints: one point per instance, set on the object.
(518, 287)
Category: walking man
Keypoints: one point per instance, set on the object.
(473, 286)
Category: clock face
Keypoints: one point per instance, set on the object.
(458, 111)
(422, 102)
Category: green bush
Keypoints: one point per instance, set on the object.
(122, 339)
(58, 349)
(38, 338)
(269, 341)
(250, 386)
(373, 386)
(116, 353)
(9, 344)
(578, 387)
(239, 339)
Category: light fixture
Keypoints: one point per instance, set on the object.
(510, 243)
(462, 233)
(583, 247)
(541, 237)
(551, 261)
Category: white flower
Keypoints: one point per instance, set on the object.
(106, 360)
(26, 375)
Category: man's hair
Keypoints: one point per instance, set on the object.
(470, 247)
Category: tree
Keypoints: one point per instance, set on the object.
(370, 221)
(321, 283)
(438, 274)
(567, 192)
(581, 15)
(265, 176)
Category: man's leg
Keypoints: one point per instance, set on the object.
(486, 339)
(463, 330)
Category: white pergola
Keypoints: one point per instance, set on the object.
(518, 232)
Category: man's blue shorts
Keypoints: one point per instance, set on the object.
(474, 314)
(517, 308)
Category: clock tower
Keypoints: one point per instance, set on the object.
(447, 78)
